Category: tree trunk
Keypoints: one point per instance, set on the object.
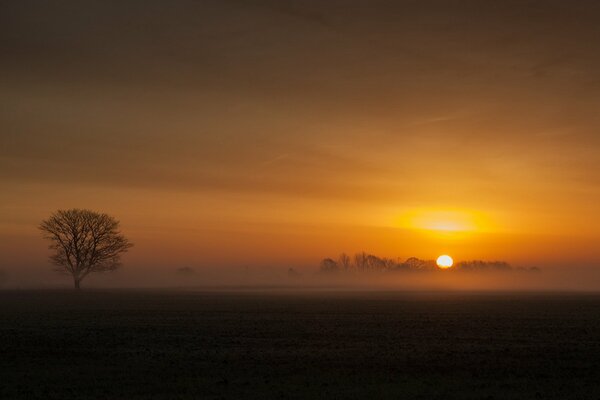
(76, 281)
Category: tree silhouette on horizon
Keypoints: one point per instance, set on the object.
(84, 242)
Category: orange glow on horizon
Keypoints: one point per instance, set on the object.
(446, 220)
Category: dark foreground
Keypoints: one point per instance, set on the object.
(169, 345)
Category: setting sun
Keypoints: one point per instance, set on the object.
(444, 261)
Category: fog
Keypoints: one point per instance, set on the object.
(281, 278)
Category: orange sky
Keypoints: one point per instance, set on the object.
(270, 133)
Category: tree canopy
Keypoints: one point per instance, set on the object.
(84, 242)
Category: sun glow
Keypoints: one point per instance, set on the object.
(444, 261)
(444, 220)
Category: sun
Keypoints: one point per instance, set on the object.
(444, 261)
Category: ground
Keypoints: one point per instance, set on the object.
(194, 344)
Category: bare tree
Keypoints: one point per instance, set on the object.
(375, 263)
(344, 262)
(83, 242)
(360, 260)
(414, 263)
(328, 265)
(479, 265)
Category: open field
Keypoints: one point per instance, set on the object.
(179, 345)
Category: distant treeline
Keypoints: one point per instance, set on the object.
(364, 262)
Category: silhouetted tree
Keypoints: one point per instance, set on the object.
(83, 242)
(368, 262)
(375, 263)
(360, 261)
(479, 265)
(414, 263)
(365, 262)
(328, 265)
(401, 266)
(389, 264)
(344, 262)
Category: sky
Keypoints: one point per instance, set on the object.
(273, 133)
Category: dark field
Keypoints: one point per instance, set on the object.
(180, 345)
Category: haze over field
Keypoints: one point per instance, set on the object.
(240, 139)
